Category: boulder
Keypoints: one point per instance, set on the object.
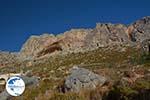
(81, 78)
(30, 81)
(4, 95)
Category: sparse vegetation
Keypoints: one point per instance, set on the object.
(109, 63)
(140, 90)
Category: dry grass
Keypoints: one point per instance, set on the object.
(110, 63)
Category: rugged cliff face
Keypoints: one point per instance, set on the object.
(81, 40)
(37, 43)
(77, 40)
(141, 29)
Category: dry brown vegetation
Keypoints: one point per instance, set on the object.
(109, 63)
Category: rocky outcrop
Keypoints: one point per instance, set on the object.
(35, 44)
(140, 29)
(81, 78)
(80, 40)
(38, 46)
(108, 34)
(145, 47)
(30, 81)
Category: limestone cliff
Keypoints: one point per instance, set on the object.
(77, 40)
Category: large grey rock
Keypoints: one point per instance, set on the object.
(4, 95)
(30, 81)
(81, 78)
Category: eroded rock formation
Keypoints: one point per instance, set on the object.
(77, 40)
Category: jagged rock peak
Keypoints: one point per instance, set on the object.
(141, 29)
(144, 20)
(37, 43)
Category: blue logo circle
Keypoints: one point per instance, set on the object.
(15, 86)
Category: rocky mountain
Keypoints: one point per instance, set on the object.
(81, 40)
(78, 40)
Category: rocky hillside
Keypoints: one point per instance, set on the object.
(101, 74)
(81, 40)
(109, 62)
(8, 58)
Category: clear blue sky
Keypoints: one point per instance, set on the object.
(19, 19)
